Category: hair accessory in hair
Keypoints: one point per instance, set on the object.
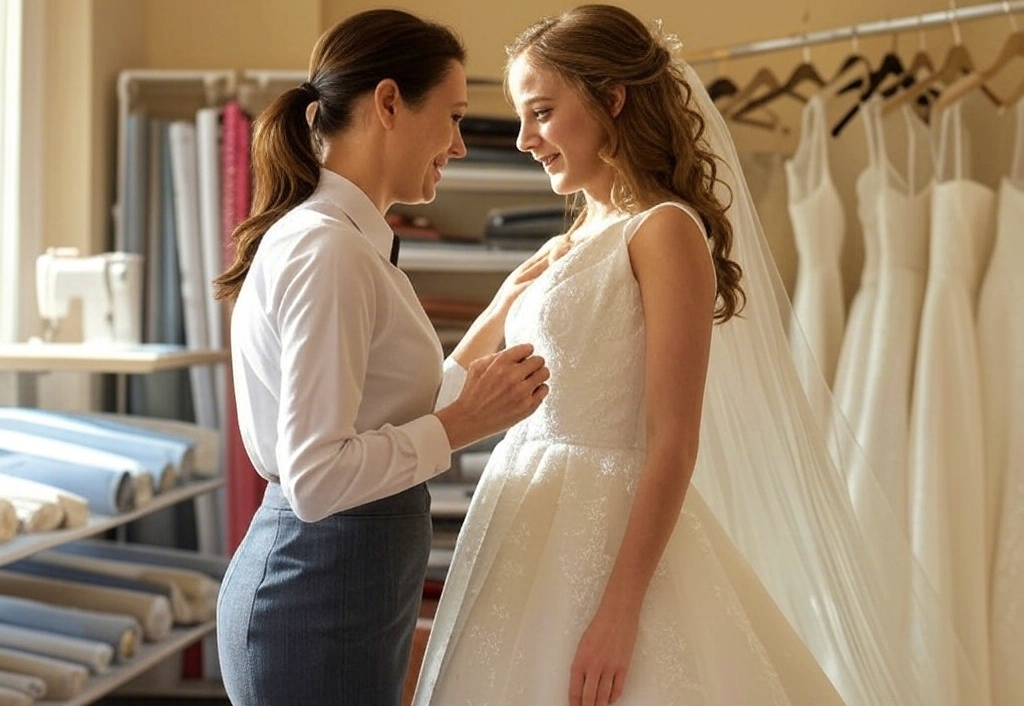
(670, 42)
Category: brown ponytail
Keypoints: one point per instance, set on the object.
(348, 62)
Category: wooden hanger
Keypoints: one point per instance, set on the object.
(958, 62)
(1012, 48)
(804, 72)
(763, 80)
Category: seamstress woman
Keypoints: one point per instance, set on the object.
(337, 370)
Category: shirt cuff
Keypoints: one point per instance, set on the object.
(452, 381)
(433, 450)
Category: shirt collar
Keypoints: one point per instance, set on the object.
(335, 192)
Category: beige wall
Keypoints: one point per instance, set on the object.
(90, 40)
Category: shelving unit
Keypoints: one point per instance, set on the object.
(36, 358)
(449, 257)
(149, 655)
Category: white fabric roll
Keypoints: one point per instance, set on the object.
(25, 683)
(151, 610)
(12, 697)
(63, 679)
(97, 656)
(37, 515)
(8, 520)
(198, 591)
(76, 508)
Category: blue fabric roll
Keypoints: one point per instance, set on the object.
(211, 565)
(49, 426)
(35, 568)
(178, 449)
(121, 632)
(107, 491)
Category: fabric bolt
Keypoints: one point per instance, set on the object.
(324, 612)
(33, 686)
(181, 610)
(203, 454)
(47, 427)
(64, 680)
(180, 448)
(947, 471)
(818, 227)
(212, 566)
(75, 507)
(37, 515)
(12, 697)
(8, 520)
(142, 478)
(122, 632)
(1001, 352)
(197, 589)
(97, 656)
(106, 490)
(152, 611)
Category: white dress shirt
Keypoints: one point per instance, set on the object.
(336, 365)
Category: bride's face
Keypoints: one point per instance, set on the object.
(558, 130)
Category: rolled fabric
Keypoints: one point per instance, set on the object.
(181, 608)
(198, 589)
(122, 632)
(76, 508)
(27, 684)
(53, 426)
(37, 515)
(19, 442)
(106, 490)
(152, 611)
(8, 520)
(183, 441)
(13, 697)
(212, 565)
(64, 680)
(96, 656)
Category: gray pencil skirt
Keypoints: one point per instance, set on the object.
(323, 613)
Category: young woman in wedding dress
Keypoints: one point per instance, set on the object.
(589, 569)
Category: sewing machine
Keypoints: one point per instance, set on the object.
(109, 285)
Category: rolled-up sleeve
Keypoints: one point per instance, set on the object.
(452, 382)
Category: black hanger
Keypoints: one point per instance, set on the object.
(890, 66)
(722, 87)
(764, 79)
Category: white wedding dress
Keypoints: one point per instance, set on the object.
(819, 227)
(947, 472)
(1001, 348)
(549, 513)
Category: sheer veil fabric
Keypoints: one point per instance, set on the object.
(846, 579)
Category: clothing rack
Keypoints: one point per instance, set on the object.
(853, 32)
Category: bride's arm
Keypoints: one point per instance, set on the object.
(673, 267)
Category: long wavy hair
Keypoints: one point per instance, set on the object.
(348, 62)
(655, 144)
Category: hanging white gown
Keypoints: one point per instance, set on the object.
(816, 211)
(947, 499)
(1001, 348)
(852, 365)
(903, 212)
(547, 519)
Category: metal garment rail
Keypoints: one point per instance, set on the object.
(853, 32)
